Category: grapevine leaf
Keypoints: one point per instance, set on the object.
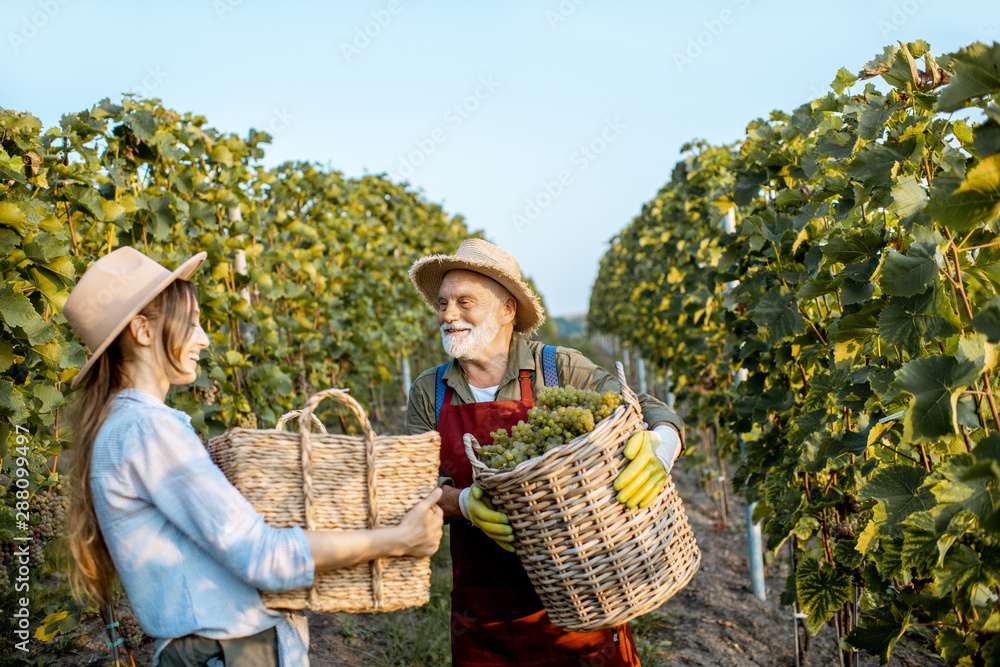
(852, 291)
(987, 320)
(873, 120)
(859, 325)
(16, 309)
(879, 632)
(977, 349)
(856, 246)
(909, 274)
(908, 196)
(51, 625)
(987, 139)
(874, 165)
(954, 644)
(51, 353)
(822, 591)
(806, 425)
(935, 384)
(844, 79)
(50, 397)
(86, 198)
(891, 562)
(836, 144)
(847, 554)
(6, 355)
(13, 401)
(960, 569)
(778, 316)
(977, 73)
(991, 652)
(920, 542)
(960, 524)
(906, 321)
(953, 486)
(39, 332)
(975, 201)
(865, 538)
(12, 216)
(899, 492)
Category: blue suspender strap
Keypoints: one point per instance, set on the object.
(439, 391)
(549, 366)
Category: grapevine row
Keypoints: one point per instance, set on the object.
(858, 289)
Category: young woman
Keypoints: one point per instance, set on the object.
(149, 503)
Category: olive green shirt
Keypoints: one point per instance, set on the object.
(573, 369)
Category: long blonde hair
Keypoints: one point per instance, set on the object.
(172, 310)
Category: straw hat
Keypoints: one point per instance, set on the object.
(113, 291)
(489, 260)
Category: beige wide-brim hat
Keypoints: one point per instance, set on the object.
(114, 290)
(489, 260)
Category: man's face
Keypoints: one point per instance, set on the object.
(468, 313)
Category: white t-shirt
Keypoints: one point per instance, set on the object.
(484, 395)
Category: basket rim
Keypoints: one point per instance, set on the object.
(501, 475)
(271, 431)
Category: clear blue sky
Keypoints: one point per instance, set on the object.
(534, 82)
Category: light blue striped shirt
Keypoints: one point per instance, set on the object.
(190, 550)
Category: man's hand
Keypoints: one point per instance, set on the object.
(646, 475)
(477, 508)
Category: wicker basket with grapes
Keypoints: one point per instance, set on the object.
(593, 562)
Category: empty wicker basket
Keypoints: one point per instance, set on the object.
(593, 562)
(340, 482)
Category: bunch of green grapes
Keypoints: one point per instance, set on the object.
(601, 405)
(561, 414)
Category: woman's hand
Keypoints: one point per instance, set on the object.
(421, 527)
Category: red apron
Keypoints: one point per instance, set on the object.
(497, 619)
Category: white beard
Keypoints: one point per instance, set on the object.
(473, 342)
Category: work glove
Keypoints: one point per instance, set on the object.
(477, 508)
(652, 455)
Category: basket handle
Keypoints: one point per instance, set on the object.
(288, 416)
(628, 395)
(472, 448)
(368, 433)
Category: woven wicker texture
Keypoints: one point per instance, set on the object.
(337, 482)
(593, 562)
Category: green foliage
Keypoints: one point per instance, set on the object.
(858, 292)
(324, 300)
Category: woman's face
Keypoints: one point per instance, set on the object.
(189, 351)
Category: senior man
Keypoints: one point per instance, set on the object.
(484, 310)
